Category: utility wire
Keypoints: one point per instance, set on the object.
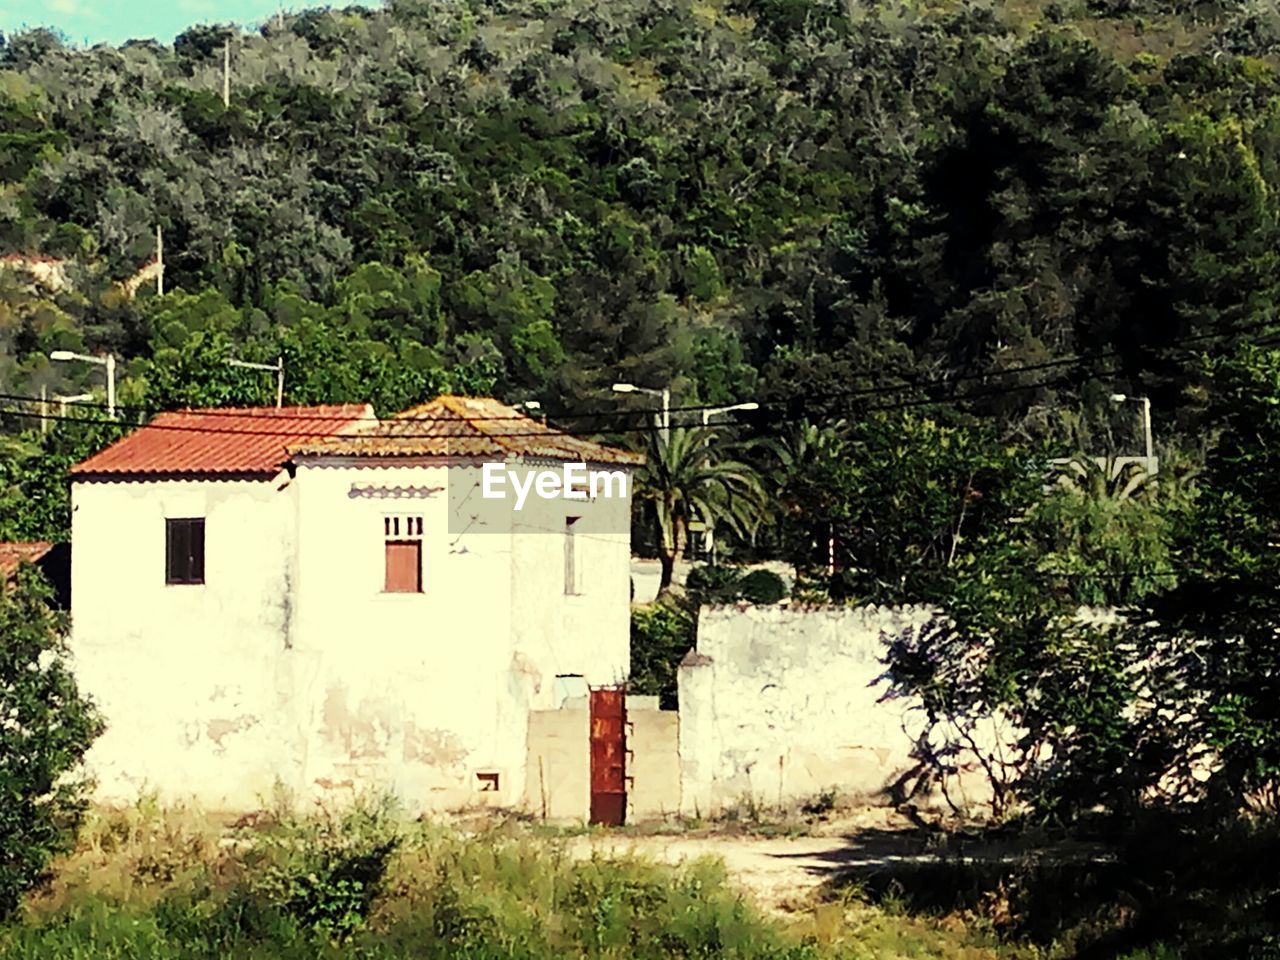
(643, 429)
(906, 384)
(534, 434)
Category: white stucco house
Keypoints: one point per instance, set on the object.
(314, 598)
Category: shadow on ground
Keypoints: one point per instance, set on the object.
(1202, 895)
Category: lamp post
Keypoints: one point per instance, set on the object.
(1146, 426)
(714, 411)
(664, 393)
(277, 368)
(707, 414)
(63, 401)
(106, 360)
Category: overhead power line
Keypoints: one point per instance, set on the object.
(788, 404)
(879, 390)
(525, 434)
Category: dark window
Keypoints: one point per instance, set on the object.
(184, 550)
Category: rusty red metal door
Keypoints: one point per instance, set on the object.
(608, 756)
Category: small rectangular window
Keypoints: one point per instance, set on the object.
(403, 554)
(184, 550)
(571, 584)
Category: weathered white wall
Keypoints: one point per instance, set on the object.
(780, 703)
(291, 664)
(190, 677)
(438, 686)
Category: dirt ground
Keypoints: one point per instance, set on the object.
(784, 872)
(779, 872)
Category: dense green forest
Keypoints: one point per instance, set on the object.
(823, 205)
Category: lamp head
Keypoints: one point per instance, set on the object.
(62, 355)
(624, 388)
(1118, 398)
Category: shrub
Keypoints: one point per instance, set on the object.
(763, 586)
(713, 583)
(46, 727)
(324, 873)
(661, 634)
(722, 584)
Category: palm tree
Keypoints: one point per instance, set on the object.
(1107, 477)
(685, 475)
(805, 443)
(794, 452)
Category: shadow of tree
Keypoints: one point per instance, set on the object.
(1204, 892)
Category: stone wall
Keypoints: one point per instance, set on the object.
(780, 703)
(653, 777)
(558, 779)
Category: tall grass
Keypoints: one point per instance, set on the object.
(366, 884)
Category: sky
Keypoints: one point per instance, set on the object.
(115, 21)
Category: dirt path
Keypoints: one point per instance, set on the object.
(779, 872)
(783, 873)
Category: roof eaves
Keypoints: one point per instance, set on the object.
(156, 476)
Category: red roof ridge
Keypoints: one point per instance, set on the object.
(223, 441)
(300, 410)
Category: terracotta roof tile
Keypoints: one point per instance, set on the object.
(14, 554)
(451, 426)
(243, 441)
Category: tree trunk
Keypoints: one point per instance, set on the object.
(670, 555)
(668, 561)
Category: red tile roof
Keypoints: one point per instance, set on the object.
(470, 427)
(14, 554)
(249, 441)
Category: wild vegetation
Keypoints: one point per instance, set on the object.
(931, 240)
(366, 882)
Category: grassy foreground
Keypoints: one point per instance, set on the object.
(147, 883)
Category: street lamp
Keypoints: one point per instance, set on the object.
(277, 368)
(664, 393)
(1146, 425)
(709, 413)
(107, 360)
(63, 401)
(62, 406)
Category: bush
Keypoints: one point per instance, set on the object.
(713, 583)
(723, 584)
(763, 586)
(661, 634)
(324, 873)
(45, 729)
(499, 893)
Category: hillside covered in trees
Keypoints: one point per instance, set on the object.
(781, 199)
(1010, 209)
